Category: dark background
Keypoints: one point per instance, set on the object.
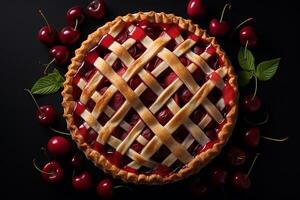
(276, 172)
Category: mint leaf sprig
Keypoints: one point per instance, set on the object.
(263, 71)
(48, 84)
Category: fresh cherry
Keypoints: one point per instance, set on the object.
(236, 156)
(47, 34)
(219, 177)
(82, 182)
(59, 146)
(248, 36)
(251, 104)
(75, 15)
(52, 172)
(76, 161)
(196, 9)
(104, 189)
(46, 114)
(60, 54)
(220, 27)
(252, 137)
(69, 35)
(241, 181)
(96, 9)
(199, 188)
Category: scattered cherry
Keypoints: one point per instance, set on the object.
(46, 114)
(236, 156)
(199, 188)
(52, 171)
(241, 180)
(104, 189)
(252, 137)
(82, 182)
(248, 36)
(59, 146)
(69, 35)
(60, 54)
(47, 34)
(76, 161)
(219, 177)
(75, 15)
(251, 104)
(96, 9)
(196, 9)
(220, 27)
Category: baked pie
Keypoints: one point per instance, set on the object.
(150, 98)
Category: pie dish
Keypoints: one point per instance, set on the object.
(150, 98)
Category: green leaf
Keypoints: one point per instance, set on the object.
(246, 59)
(267, 69)
(48, 84)
(244, 77)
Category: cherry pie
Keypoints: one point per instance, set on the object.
(150, 98)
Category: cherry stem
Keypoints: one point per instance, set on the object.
(76, 24)
(275, 139)
(258, 123)
(255, 158)
(34, 100)
(122, 187)
(37, 168)
(45, 19)
(246, 46)
(48, 65)
(59, 132)
(241, 24)
(255, 88)
(228, 5)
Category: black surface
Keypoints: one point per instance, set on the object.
(22, 55)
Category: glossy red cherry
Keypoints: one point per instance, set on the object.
(104, 189)
(82, 182)
(69, 35)
(217, 28)
(46, 115)
(75, 14)
(220, 27)
(241, 181)
(164, 116)
(186, 96)
(52, 172)
(196, 9)
(248, 36)
(199, 188)
(58, 146)
(60, 54)
(96, 9)
(219, 177)
(252, 137)
(47, 34)
(76, 161)
(236, 156)
(250, 104)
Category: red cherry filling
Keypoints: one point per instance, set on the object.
(87, 71)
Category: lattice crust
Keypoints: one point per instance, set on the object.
(163, 134)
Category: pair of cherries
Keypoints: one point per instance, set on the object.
(69, 35)
(247, 35)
